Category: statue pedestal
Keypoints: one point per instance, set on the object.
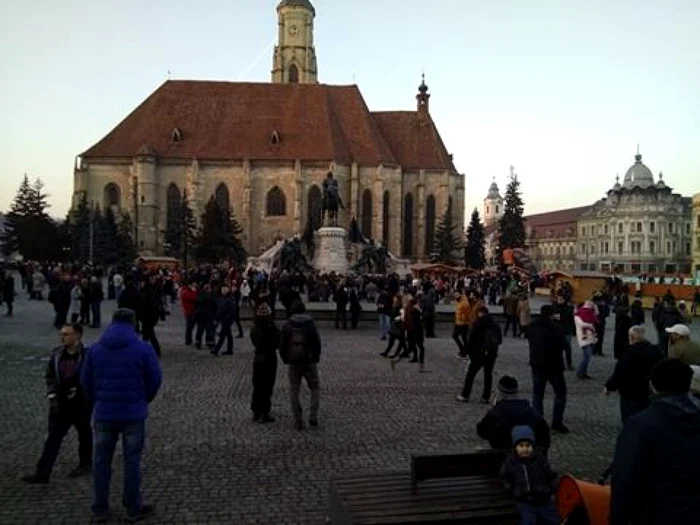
(330, 254)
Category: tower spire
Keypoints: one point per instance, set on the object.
(423, 97)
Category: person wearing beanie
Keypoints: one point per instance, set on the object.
(265, 337)
(526, 474)
(508, 412)
(655, 470)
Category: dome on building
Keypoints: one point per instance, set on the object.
(493, 191)
(617, 186)
(660, 183)
(638, 175)
(300, 3)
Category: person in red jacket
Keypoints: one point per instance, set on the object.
(188, 298)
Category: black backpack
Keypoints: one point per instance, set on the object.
(298, 353)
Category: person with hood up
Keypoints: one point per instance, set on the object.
(508, 412)
(121, 375)
(265, 337)
(300, 348)
(526, 474)
(586, 335)
(482, 347)
(655, 477)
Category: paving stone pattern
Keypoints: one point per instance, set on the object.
(206, 462)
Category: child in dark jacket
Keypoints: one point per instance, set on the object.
(528, 476)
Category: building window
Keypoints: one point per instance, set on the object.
(606, 229)
(583, 231)
(639, 227)
(636, 268)
(571, 250)
(620, 247)
(176, 135)
(651, 268)
(687, 228)
(314, 207)
(670, 227)
(668, 247)
(112, 197)
(592, 249)
(687, 248)
(366, 224)
(497, 209)
(173, 212)
(385, 218)
(607, 247)
(275, 203)
(652, 227)
(222, 197)
(620, 226)
(293, 74)
(429, 224)
(583, 248)
(407, 242)
(652, 247)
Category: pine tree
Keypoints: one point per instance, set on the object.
(219, 236)
(511, 226)
(79, 231)
(109, 238)
(20, 210)
(181, 233)
(447, 243)
(474, 252)
(126, 249)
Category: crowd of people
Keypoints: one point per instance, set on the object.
(657, 383)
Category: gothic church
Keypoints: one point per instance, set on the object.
(263, 150)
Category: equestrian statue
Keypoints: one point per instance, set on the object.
(331, 201)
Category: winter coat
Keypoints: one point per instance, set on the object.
(266, 341)
(632, 371)
(205, 306)
(462, 312)
(585, 332)
(38, 282)
(485, 337)
(188, 299)
(686, 350)
(76, 296)
(498, 423)
(8, 289)
(61, 386)
(121, 375)
(226, 309)
(566, 317)
(547, 344)
(621, 343)
(523, 312)
(510, 305)
(530, 480)
(657, 460)
(414, 324)
(313, 340)
(637, 314)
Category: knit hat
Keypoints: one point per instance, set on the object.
(672, 376)
(508, 385)
(263, 310)
(522, 433)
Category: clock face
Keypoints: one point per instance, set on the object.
(293, 30)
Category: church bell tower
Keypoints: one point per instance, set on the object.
(294, 61)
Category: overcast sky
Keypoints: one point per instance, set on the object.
(561, 89)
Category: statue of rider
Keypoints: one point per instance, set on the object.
(331, 200)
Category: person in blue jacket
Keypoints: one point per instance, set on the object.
(121, 375)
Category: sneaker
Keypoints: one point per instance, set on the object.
(299, 425)
(461, 398)
(36, 479)
(561, 428)
(145, 512)
(313, 422)
(80, 471)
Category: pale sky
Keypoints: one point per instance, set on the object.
(561, 89)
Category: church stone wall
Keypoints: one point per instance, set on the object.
(97, 176)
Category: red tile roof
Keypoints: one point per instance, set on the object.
(414, 140)
(233, 120)
(557, 222)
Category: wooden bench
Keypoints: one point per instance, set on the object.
(442, 488)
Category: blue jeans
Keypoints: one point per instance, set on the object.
(384, 324)
(106, 436)
(538, 514)
(96, 317)
(539, 385)
(583, 366)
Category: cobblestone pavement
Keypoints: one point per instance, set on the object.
(206, 462)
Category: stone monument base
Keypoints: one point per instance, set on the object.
(329, 255)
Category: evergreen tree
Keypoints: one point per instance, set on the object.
(219, 236)
(79, 231)
(20, 210)
(126, 249)
(511, 226)
(108, 238)
(474, 252)
(181, 233)
(447, 243)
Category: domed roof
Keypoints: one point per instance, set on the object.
(660, 183)
(494, 193)
(638, 174)
(298, 3)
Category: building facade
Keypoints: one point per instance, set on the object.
(696, 237)
(262, 150)
(550, 239)
(640, 227)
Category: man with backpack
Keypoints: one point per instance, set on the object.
(300, 348)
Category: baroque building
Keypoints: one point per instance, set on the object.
(550, 239)
(696, 237)
(263, 149)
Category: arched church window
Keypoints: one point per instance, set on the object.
(497, 209)
(176, 135)
(222, 197)
(314, 206)
(173, 213)
(407, 248)
(275, 138)
(367, 213)
(293, 74)
(276, 204)
(429, 224)
(112, 196)
(385, 218)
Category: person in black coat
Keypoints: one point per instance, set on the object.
(355, 307)
(341, 298)
(482, 346)
(265, 337)
(226, 313)
(623, 323)
(8, 292)
(205, 316)
(509, 412)
(637, 313)
(148, 311)
(657, 458)
(563, 314)
(547, 346)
